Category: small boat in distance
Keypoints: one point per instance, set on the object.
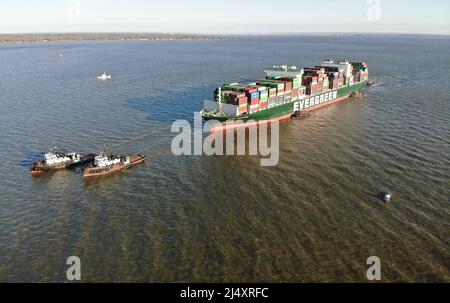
(105, 165)
(54, 161)
(104, 77)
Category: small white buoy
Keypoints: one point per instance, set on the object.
(387, 198)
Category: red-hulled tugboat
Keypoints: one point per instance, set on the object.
(54, 160)
(105, 165)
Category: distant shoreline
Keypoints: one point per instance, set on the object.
(30, 38)
(61, 37)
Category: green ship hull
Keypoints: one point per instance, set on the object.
(288, 109)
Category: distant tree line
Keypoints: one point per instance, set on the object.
(25, 38)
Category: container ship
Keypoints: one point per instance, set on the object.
(286, 91)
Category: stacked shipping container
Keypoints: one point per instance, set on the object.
(311, 84)
(252, 94)
(360, 71)
(268, 93)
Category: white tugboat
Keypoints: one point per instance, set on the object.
(104, 165)
(54, 160)
(104, 77)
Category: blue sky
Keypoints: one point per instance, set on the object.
(231, 16)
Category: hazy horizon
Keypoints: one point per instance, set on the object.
(230, 17)
(228, 34)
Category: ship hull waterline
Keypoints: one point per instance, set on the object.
(281, 112)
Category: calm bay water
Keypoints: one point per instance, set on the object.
(315, 217)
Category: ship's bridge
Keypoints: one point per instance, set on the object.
(280, 71)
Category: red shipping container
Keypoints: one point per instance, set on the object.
(311, 89)
(242, 101)
(287, 85)
(310, 78)
(253, 108)
(295, 92)
(254, 101)
(334, 84)
(261, 88)
(250, 90)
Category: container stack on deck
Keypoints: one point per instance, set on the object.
(276, 90)
(311, 84)
(335, 77)
(252, 94)
(272, 96)
(295, 84)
